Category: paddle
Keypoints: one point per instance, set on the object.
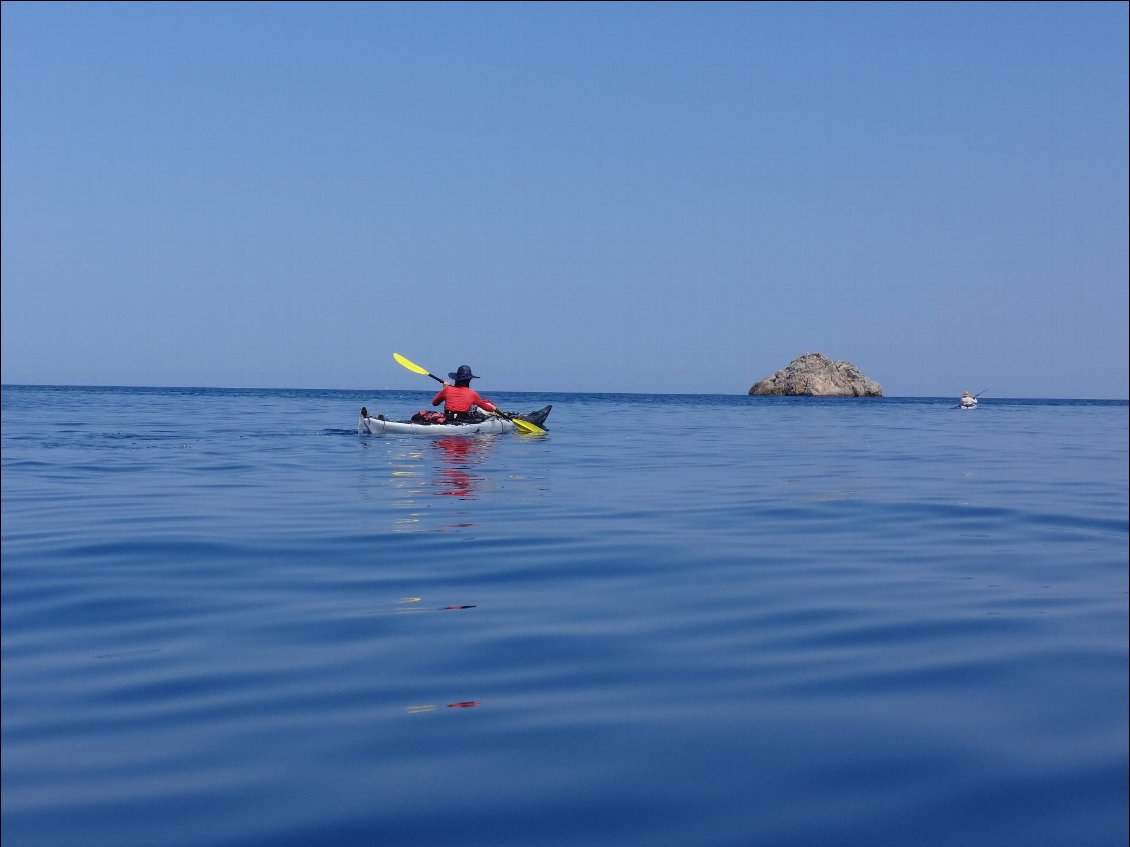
(520, 425)
(975, 396)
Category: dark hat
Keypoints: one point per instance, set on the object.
(463, 374)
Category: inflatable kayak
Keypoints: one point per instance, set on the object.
(368, 424)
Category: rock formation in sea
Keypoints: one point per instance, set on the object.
(815, 375)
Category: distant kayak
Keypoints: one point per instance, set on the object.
(966, 402)
(368, 424)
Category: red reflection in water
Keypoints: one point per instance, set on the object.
(456, 483)
(460, 453)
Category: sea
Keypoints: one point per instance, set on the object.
(229, 620)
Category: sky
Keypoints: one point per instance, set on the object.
(570, 197)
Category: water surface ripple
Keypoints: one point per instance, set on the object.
(682, 620)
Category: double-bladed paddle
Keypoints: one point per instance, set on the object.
(521, 425)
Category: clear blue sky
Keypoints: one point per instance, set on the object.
(651, 197)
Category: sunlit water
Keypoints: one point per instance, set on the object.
(228, 619)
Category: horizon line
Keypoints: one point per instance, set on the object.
(509, 391)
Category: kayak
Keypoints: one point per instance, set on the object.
(368, 424)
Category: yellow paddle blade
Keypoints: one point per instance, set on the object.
(527, 427)
(520, 425)
(412, 366)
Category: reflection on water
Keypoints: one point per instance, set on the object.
(450, 466)
(458, 457)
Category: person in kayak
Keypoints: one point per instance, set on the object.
(460, 399)
(967, 402)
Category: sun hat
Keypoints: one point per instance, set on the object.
(463, 374)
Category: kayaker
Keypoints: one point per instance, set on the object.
(967, 402)
(460, 399)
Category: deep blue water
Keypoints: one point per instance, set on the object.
(678, 620)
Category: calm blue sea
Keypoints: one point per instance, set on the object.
(724, 621)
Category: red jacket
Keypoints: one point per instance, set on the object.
(461, 399)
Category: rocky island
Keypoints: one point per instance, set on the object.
(815, 375)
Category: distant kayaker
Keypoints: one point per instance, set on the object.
(967, 401)
(459, 398)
